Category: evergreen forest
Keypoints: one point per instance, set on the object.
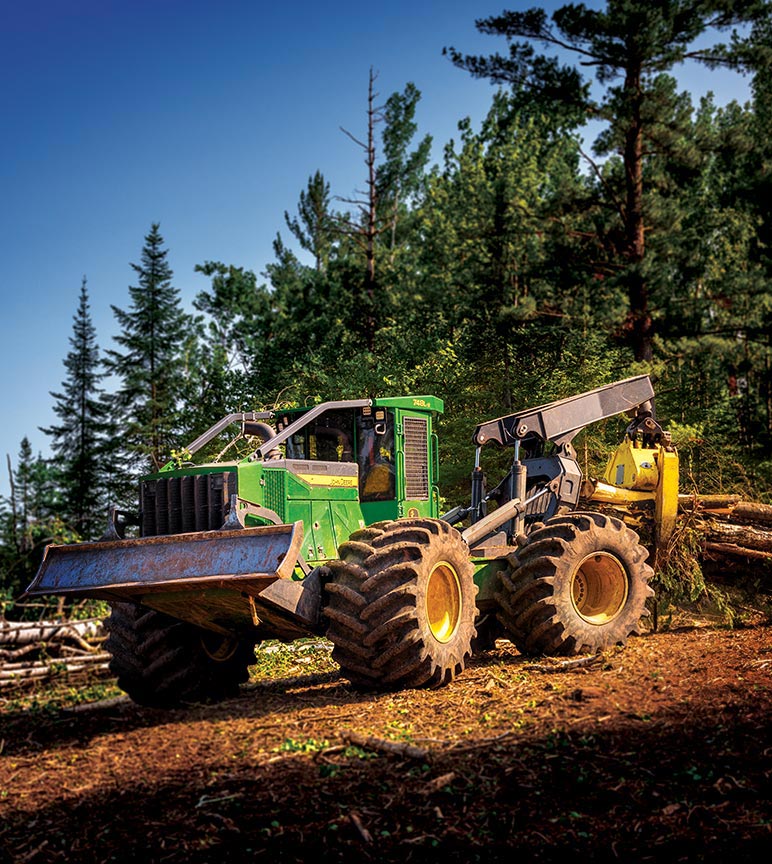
(599, 223)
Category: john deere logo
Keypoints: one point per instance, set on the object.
(413, 511)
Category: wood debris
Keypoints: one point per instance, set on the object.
(35, 651)
(393, 748)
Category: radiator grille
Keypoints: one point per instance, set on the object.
(176, 505)
(416, 459)
(275, 491)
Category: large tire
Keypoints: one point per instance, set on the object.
(161, 661)
(401, 606)
(579, 585)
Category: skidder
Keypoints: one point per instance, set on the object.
(330, 523)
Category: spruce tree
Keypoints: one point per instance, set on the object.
(28, 518)
(78, 440)
(150, 366)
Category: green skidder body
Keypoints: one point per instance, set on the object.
(347, 468)
(326, 520)
(350, 468)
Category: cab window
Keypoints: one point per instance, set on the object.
(375, 456)
(330, 438)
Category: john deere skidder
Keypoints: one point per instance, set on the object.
(331, 525)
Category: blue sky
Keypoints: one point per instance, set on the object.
(205, 116)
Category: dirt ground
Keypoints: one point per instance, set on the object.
(659, 751)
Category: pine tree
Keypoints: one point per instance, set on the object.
(629, 44)
(150, 367)
(78, 440)
(401, 174)
(314, 226)
(371, 230)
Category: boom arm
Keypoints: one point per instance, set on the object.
(560, 421)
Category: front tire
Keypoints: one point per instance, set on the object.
(579, 585)
(161, 661)
(401, 606)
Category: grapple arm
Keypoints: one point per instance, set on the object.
(559, 422)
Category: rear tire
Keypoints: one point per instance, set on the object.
(161, 661)
(579, 585)
(401, 606)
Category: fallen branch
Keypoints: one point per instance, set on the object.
(482, 742)
(393, 748)
(14, 673)
(18, 652)
(438, 783)
(101, 705)
(356, 821)
(565, 665)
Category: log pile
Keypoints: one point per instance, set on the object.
(733, 532)
(40, 651)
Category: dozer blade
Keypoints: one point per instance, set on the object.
(121, 569)
(210, 578)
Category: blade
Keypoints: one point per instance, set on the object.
(245, 559)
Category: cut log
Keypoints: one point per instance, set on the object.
(750, 511)
(720, 503)
(25, 632)
(743, 536)
(721, 549)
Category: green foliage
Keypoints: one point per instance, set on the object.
(314, 226)
(628, 45)
(48, 700)
(29, 519)
(280, 660)
(302, 745)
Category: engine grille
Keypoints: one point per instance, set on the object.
(275, 491)
(176, 505)
(416, 459)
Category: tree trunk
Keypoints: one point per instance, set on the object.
(639, 317)
(371, 231)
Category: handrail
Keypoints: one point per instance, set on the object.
(302, 421)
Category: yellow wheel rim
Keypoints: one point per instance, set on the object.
(599, 588)
(443, 601)
(218, 648)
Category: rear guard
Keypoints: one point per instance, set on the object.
(220, 580)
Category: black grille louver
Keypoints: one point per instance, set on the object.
(177, 505)
(416, 459)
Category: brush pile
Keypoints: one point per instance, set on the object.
(36, 651)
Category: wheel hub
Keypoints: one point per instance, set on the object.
(218, 648)
(599, 588)
(443, 601)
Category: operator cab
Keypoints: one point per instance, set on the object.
(363, 435)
